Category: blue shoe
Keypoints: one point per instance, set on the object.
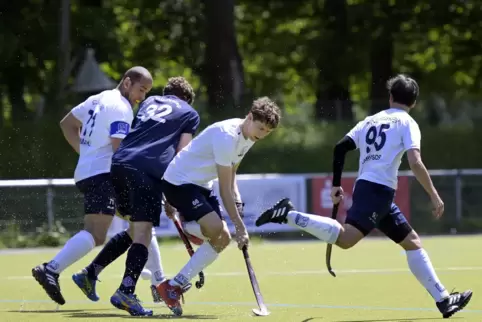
(129, 303)
(86, 284)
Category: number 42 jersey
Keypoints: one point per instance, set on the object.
(382, 139)
(155, 134)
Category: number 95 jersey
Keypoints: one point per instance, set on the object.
(382, 139)
(155, 135)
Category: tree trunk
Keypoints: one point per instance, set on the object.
(381, 58)
(223, 71)
(333, 96)
(15, 77)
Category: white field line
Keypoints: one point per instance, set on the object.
(292, 273)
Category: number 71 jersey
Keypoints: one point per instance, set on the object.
(382, 139)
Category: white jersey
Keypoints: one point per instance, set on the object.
(221, 143)
(104, 116)
(382, 139)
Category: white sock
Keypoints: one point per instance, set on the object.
(204, 256)
(323, 228)
(422, 268)
(74, 249)
(154, 263)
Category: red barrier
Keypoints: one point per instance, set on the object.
(321, 201)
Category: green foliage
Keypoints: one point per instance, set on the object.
(13, 237)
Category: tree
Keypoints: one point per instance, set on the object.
(332, 93)
(223, 72)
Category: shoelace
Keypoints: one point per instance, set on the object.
(184, 289)
(136, 299)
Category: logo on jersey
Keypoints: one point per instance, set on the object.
(373, 218)
(196, 204)
(243, 152)
(123, 128)
(119, 127)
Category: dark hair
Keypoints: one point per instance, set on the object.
(404, 90)
(266, 111)
(180, 87)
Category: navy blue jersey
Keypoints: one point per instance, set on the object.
(156, 130)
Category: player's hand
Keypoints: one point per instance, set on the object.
(336, 194)
(437, 206)
(170, 210)
(240, 207)
(242, 237)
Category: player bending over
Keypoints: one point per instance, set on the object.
(382, 140)
(187, 185)
(162, 126)
(94, 129)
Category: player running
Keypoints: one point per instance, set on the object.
(187, 185)
(94, 129)
(162, 126)
(382, 140)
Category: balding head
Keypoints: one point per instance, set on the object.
(135, 84)
(136, 74)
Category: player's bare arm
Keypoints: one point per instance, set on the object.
(236, 194)
(70, 126)
(341, 149)
(186, 138)
(423, 177)
(225, 177)
(115, 142)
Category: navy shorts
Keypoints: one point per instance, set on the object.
(98, 194)
(138, 195)
(373, 207)
(191, 201)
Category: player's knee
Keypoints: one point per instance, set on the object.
(349, 236)
(222, 241)
(211, 225)
(215, 230)
(97, 225)
(411, 242)
(345, 243)
(141, 233)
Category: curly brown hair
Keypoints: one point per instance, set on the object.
(266, 111)
(180, 87)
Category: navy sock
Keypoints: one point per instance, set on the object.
(136, 259)
(114, 248)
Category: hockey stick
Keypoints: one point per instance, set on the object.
(189, 248)
(263, 310)
(330, 246)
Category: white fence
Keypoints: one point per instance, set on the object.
(47, 198)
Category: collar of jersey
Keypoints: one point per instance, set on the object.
(240, 133)
(123, 98)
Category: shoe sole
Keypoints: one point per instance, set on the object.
(80, 286)
(57, 298)
(119, 306)
(460, 308)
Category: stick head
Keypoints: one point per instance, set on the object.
(331, 272)
(261, 312)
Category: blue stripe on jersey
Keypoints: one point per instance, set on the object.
(119, 127)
